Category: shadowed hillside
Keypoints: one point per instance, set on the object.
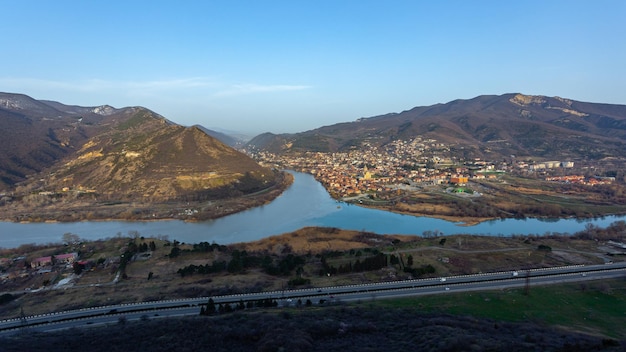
(57, 157)
(34, 135)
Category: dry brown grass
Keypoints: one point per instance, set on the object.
(431, 210)
(316, 240)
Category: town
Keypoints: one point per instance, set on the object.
(413, 163)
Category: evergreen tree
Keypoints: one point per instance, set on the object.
(210, 307)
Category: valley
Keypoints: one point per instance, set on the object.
(424, 177)
(133, 164)
(313, 176)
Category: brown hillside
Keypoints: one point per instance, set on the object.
(69, 163)
(143, 156)
(35, 134)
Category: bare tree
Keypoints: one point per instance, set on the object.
(70, 238)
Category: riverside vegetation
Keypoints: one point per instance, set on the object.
(159, 268)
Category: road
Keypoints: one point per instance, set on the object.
(180, 307)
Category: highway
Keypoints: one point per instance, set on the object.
(383, 290)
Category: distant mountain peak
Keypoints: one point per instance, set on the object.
(124, 152)
(525, 100)
(104, 110)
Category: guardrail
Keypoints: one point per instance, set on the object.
(88, 312)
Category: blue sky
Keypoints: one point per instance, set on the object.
(291, 66)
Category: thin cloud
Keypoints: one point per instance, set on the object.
(185, 83)
(28, 83)
(94, 85)
(242, 89)
(144, 88)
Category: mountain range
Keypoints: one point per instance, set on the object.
(488, 127)
(119, 154)
(134, 153)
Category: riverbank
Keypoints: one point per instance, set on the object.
(76, 210)
(459, 220)
(509, 197)
(304, 204)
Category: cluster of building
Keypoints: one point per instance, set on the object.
(419, 162)
(68, 258)
(580, 179)
(22, 267)
(551, 165)
(370, 170)
(413, 162)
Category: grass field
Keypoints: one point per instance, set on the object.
(596, 307)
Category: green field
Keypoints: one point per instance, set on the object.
(594, 307)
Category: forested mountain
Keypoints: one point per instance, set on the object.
(487, 126)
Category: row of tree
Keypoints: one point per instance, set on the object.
(375, 262)
(212, 308)
(241, 260)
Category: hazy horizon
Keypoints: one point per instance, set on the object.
(286, 67)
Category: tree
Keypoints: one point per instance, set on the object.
(210, 307)
(5, 298)
(228, 308)
(175, 252)
(78, 268)
(394, 260)
(236, 264)
(70, 238)
(543, 247)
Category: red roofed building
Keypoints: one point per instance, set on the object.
(68, 258)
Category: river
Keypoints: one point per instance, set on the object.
(305, 203)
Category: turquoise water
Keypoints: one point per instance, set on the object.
(305, 203)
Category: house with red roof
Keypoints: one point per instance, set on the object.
(67, 258)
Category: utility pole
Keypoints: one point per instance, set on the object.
(23, 320)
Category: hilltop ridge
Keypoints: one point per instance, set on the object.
(85, 157)
(487, 127)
